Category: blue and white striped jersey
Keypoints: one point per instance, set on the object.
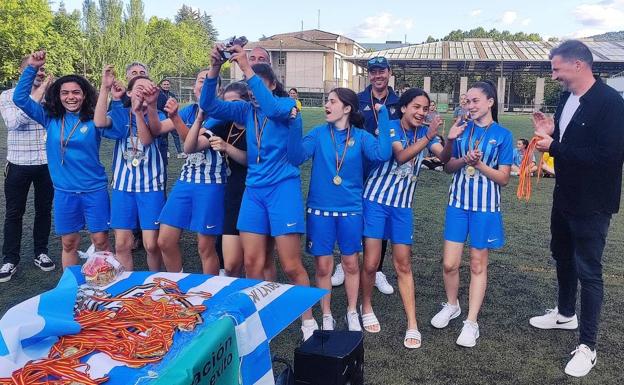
(205, 166)
(392, 184)
(477, 192)
(136, 168)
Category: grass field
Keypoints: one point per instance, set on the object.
(521, 284)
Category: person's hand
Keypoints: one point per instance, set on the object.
(435, 123)
(138, 97)
(457, 129)
(293, 112)
(108, 77)
(542, 123)
(37, 59)
(171, 107)
(239, 56)
(49, 79)
(543, 144)
(117, 90)
(215, 55)
(473, 157)
(217, 143)
(150, 93)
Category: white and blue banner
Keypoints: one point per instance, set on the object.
(260, 311)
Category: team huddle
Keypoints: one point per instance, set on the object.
(241, 180)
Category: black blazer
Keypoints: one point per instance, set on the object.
(589, 157)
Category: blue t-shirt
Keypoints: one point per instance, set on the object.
(324, 194)
(78, 167)
(267, 130)
(136, 167)
(517, 157)
(477, 192)
(394, 184)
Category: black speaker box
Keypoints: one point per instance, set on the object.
(330, 358)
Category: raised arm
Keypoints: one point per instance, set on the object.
(150, 95)
(274, 108)
(100, 117)
(214, 107)
(143, 132)
(194, 142)
(300, 149)
(404, 155)
(455, 131)
(380, 148)
(21, 96)
(174, 121)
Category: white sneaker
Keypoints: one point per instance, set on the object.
(308, 327)
(469, 334)
(353, 321)
(583, 361)
(444, 316)
(44, 262)
(337, 278)
(381, 283)
(329, 323)
(6, 271)
(553, 320)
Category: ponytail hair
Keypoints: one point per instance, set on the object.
(266, 72)
(350, 98)
(488, 88)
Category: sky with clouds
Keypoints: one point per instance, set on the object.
(375, 21)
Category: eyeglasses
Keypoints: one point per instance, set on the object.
(375, 60)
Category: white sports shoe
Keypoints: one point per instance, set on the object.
(381, 283)
(328, 322)
(308, 327)
(6, 271)
(448, 312)
(583, 361)
(337, 278)
(353, 321)
(469, 334)
(553, 320)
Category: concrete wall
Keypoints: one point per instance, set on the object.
(305, 69)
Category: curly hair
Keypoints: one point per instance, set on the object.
(53, 105)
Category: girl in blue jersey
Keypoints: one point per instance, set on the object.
(334, 212)
(272, 204)
(388, 199)
(72, 147)
(195, 201)
(481, 163)
(138, 168)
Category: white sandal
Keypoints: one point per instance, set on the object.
(368, 320)
(412, 334)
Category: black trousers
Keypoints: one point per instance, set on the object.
(577, 245)
(17, 181)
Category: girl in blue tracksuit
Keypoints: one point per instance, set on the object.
(72, 147)
(138, 168)
(480, 164)
(334, 212)
(272, 204)
(388, 197)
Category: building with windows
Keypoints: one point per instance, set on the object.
(313, 61)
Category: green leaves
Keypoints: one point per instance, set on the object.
(106, 32)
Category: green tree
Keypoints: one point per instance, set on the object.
(24, 28)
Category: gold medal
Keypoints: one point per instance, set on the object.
(470, 171)
(337, 180)
(135, 162)
(351, 142)
(414, 178)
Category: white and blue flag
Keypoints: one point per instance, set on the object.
(260, 311)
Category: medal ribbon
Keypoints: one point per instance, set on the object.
(373, 106)
(64, 144)
(227, 140)
(407, 140)
(339, 162)
(134, 144)
(259, 134)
